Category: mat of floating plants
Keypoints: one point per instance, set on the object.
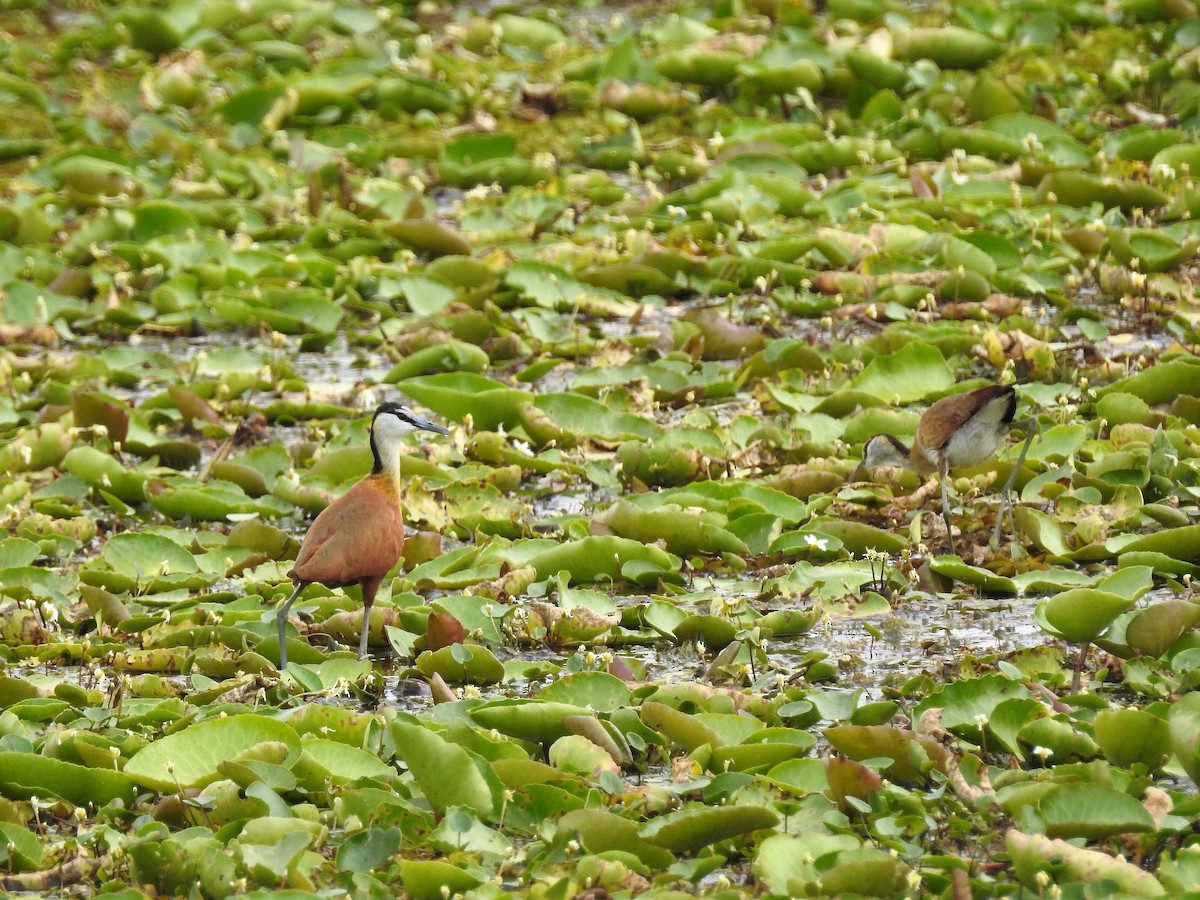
(662, 268)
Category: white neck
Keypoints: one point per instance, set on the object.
(388, 433)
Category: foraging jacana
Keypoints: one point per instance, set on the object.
(957, 432)
(360, 535)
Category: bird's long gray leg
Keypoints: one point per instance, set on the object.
(362, 637)
(1030, 427)
(281, 623)
(369, 588)
(943, 477)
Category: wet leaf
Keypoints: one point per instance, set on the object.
(446, 773)
(693, 827)
(189, 758)
(1034, 854)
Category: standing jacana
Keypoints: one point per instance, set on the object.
(360, 535)
(957, 432)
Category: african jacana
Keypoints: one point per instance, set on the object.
(360, 535)
(957, 432)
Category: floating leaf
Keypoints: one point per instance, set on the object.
(1040, 855)
(1081, 614)
(1133, 736)
(446, 773)
(189, 758)
(30, 775)
(693, 827)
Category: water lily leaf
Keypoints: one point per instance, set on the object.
(448, 774)
(455, 396)
(41, 447)
(1177, 543)
(182, 498)
(964, 701)
(684, 531)
(369, 849)
(724, 339)
(429, 236)
(92, 175)
(24, 850)
(525, 31)
(867, 870)
(584, 416)
(950, 46)
(787, 622)
(910, 753)
(913, 372)
(189, 757)
(452, 356)
(682, 729)
(1043, 530)
(1092, 811)
(713, 632)
(530, 720)
(1057, 738)
(1128, 581)
(693, 827)
(160, 218)
(411, 93)
(15, 690)
(1074, 188)
(577, 754)
(597, 691)
(1184, 723)
(784, 860)
(1148, 250)
(17, 552)
(602, 558)
(1133, 736)
(753, 757)
(1081, 614)
(984, 579)
(432, 879)
(696, 65)
(600, 831)
(30, 775)
(92, 408)
(193, 407)
(631, 278)
(782, 68)
(462, 664)
(1154, 629)
(1036, 857)
(143, 556)
(858, 537)
(343, 763)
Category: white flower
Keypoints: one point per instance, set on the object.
(813, 541)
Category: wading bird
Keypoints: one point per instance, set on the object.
(360, 535)
(957, 432)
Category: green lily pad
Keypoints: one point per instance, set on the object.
(694, 827)
(189, 758)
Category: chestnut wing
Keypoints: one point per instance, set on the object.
(950, 414)
(359, 535)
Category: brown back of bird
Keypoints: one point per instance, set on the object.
(339, 550)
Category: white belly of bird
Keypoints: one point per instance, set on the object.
(973, 444)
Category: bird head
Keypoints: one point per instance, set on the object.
(391, 423)
(881, 450)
